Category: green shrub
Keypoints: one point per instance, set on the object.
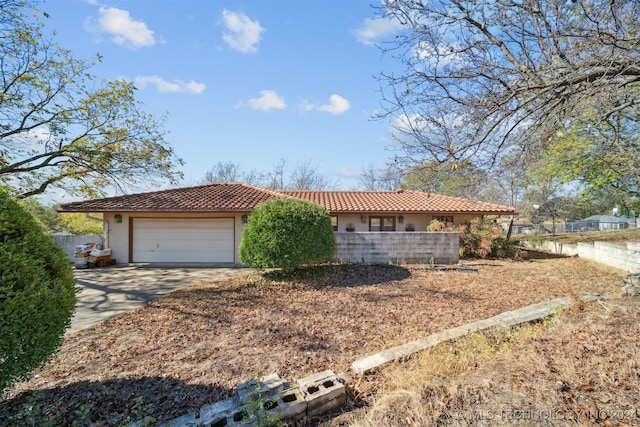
(479, 239)
(287, 233)
(37, 293)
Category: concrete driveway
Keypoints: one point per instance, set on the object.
(107, 292)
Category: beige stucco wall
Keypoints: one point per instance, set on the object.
(117, 235)
(420, 221)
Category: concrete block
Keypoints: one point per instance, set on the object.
(323, 394)
(189, 420)
(267, 386)
(289, 406)
(632, 279)
(293, 404)
(217, 414)
(239, 418)
(312, 379)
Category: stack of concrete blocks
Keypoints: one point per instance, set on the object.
(312, 395)
(631, 286)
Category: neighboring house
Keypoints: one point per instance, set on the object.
(600, 223)
(205, 223)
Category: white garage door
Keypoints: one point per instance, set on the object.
(183, 240)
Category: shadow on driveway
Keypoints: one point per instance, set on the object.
(107, 292)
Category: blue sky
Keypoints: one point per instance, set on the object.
(247, 82)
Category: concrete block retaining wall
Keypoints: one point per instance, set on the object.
(398, 247)
(626, 258)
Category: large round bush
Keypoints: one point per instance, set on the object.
(37, 293)
(287, 233)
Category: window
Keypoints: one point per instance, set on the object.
(382, 223)
(334, 222)
(446, 219)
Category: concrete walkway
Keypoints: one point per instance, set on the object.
(107, 292)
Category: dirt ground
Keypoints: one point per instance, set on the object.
(194, 346)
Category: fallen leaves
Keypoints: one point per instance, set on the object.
(193, 346)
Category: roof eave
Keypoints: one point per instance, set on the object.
(130, 211)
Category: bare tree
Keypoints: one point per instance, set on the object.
(223, 173)
(306, 177)
(275, 179)
(226, 172)
(487, 78)
(380, 179)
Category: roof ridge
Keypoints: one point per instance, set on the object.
(255, 187)
(354, 191)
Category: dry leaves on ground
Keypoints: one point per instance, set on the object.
(581, 368)
(195, 345)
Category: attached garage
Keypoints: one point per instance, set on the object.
(207, 240)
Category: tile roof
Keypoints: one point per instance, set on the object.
(244, 198)
(400, 201)
(203, 198)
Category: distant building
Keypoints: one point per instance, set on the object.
(600, 223)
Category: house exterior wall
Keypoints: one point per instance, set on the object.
(420, 221)
(398, 248)
(116, 236)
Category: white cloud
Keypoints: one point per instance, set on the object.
(268, 100)
(406, 123)
(337, 105)
(443, 54)
(242, 33)
(163, 86)
(124, 30)
(34, 140)
(305, 106)
(372, 30)
(348, 172)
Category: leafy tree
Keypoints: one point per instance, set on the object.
(459, 179)
(62, 127)
(479, 238)
(485, 79)
(51, 221)
(606, 172)
(37, 293)
(78, 223)
(287, 233)
(46, 216)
